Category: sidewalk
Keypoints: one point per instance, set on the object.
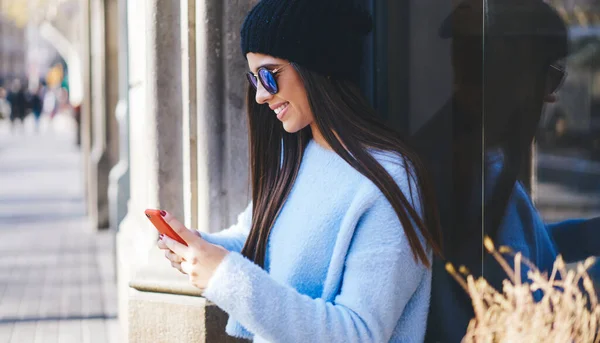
(57, 281)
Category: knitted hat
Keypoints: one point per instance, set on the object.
(324, 36)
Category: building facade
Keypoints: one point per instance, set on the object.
(13, 51)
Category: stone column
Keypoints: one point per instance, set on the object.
(209, 50)
(86, 104)
(104, 98)
(223, 184)
(156, 163)
(235, 183)
(112, 74)
(98, 167)
(118, 190)
(135, 238)
(190, 111)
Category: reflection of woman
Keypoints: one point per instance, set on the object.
(501, 86)
(336, 244)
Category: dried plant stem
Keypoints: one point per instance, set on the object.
(567, 312)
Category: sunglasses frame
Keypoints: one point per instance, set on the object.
(257, 78)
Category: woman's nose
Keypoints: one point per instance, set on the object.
(262, 96)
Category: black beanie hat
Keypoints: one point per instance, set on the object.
(325, 36)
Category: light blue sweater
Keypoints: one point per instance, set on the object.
(338, 267)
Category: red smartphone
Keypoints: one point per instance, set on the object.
(161, 225)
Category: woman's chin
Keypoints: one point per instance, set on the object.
(289, 128)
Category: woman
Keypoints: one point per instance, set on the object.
(337, 243)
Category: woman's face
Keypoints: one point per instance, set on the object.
(290, 104)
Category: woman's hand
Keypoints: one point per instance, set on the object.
(198, 260)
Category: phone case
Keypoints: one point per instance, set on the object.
(161, 225)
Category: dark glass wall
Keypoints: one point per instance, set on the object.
(501, 100)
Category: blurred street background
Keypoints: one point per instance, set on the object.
(57, 278)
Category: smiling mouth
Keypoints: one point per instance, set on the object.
(281, 108)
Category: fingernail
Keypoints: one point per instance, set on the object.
(163, 213)
(161, 236)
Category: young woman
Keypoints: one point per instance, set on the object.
(337, 243)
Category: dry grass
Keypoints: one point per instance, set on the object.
(568, 311)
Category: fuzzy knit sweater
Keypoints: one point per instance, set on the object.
(338, 266)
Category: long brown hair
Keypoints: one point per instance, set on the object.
(338, 107)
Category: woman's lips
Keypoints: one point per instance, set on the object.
(281, 111)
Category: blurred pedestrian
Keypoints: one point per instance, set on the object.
(49, 102)
(18, 103)
(36, 105)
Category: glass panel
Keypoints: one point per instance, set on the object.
(524, 41)
(538, 80)
(568, 139)
(445, 116)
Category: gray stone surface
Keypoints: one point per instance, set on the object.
(57, 280)
(157, 317)
(104, 93)
(85, 129)
(236, 190)
(164, 101)
(210, 98)
(223, 189)
(190, 111)
(155, 134)
(119, 188)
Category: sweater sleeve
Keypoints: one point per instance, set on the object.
(234, 237)
(380, 277)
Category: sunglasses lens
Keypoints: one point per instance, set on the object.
(268, 81)
(251, 79)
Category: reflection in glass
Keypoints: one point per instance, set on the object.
(510, 61)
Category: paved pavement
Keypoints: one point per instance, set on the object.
(57, 280)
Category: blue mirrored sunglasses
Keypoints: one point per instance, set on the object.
(266, 78)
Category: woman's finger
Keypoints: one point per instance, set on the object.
(189, 236)
(171, 256)
(177, 266)
(162, 245)
(175, 246)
